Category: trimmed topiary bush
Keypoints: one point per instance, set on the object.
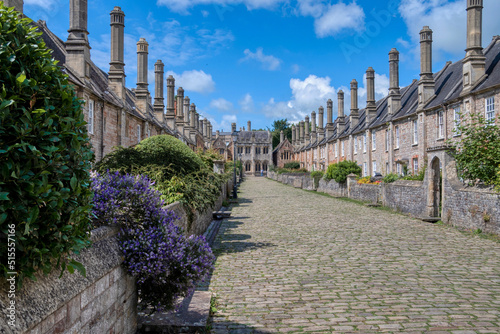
(340, 170)
(45, 155)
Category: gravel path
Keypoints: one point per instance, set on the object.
(294, 261)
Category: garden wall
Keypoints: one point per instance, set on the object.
(105, 301)
(405, 196)
(364, 192)
(332, 188)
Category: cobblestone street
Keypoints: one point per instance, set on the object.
(294, 261)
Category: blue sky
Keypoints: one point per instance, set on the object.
(263, 60)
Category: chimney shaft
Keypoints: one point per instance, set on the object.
(116, 75)
(77, 45)
(426, 82)
(301, 132)
(370, 88)
(340, 97)
(394, 102)
(294, 135)
(187, 116)
(329, 112)
(233, 127)
(313, 121)
(158, 103)
(249, 126)
(474, 64)
(193, 116)
(170, 96)
(354, 97)
(180, 104)
(321, 112)
(282, 136)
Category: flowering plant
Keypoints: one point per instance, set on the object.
(165, 262)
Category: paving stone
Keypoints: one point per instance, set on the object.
(294, 261)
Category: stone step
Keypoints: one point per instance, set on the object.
(430, 219)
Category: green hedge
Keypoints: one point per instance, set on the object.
(44, 154)
(339, 171)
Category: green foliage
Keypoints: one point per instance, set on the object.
(209, 157)
(391, 177)
(477, 154)
(286, 170)
(340, 170)
(317, 175)
(229, 166)
(45, 155)
(278, 125)
(292, 165)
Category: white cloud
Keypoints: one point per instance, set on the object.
(195, 81)
(221, 104)
(270, 63)
(339, 17)
(246, 103)
(45, 4)
(224, 124)
(404, 43)
(295, 68)
(205, 13)
(381, 89)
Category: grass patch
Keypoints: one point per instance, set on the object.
(472, 233)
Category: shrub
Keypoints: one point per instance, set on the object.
(364, 180)
(292, 165)
(317, 175)
(209, 156)
(165, 262)
(391, 177)
(45, 155)
(340, 170)
(477, 154)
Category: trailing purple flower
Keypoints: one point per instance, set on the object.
(165, 262)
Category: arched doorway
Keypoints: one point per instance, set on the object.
(434, 188)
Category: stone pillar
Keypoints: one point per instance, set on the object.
(371, 108)
(329, 118)
(170, 117)
(354, 116)
(475, 62)
(17, 4)
(426, 85)
(116, 74)
(394, 102)
(233, 127)
(321, 130)
(77, 45)
(141, 92)
(306, 131)
(249, 126)
(282, 136)
(159, 105)
(340, 113)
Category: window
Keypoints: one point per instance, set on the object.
(374, 168)
(415, 165)
(490, 109)
(456, 121)
(374, 140)
(257, 166)
(355, 145)
(387, 140)
(398, 168)
(138, 133)
(441, 124)
(257, 151)
(149, 132)
(342, 148)
(396, 129)
(386, 168)
(364, 142)
(221, 151)
(248, 150)
(240, 150)
(415, 131)
(90, 125)
(365, 172)
(248, 167)
(265, 150)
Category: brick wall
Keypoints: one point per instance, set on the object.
(105, 301)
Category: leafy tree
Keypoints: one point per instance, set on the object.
(45, 155)
(278, 125)
(478, 152)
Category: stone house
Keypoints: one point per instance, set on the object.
(398, 132)
(283, 153)
(116, 115)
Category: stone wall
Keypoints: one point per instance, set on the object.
(365, 192)
(332, 188)
(405, 196)
(469, 208)
(105, 301)
(202, 220)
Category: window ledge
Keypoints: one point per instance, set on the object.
(440, 139)
(415, 144)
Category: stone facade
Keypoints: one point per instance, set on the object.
(394, 134)
(283, 153)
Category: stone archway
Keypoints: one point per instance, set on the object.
(434, 188)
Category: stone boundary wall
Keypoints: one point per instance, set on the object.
(364, 192)
(202, 220)
(333, 188)
(405, 196)
(469, 208)
(105, 301)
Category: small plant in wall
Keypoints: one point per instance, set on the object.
(165, 262)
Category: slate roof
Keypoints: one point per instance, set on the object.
(260, 136)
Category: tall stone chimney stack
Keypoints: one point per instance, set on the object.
(282, 136)
(233, 127)
(321, 130)
(192, 122)
(354, 116)
(77, 45)
(314, 134)
(475, 62)
(170, 117)
(116, 74)
(180, 105)
(141, 92)
(329, 118)
(159, 105)
(340, 113)
(301, 132)
(249, 126)
(371, 108)
(294, 135)
(394, 102)
(17, 4)
(426, 84)
(187, 116)
(306, 131)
